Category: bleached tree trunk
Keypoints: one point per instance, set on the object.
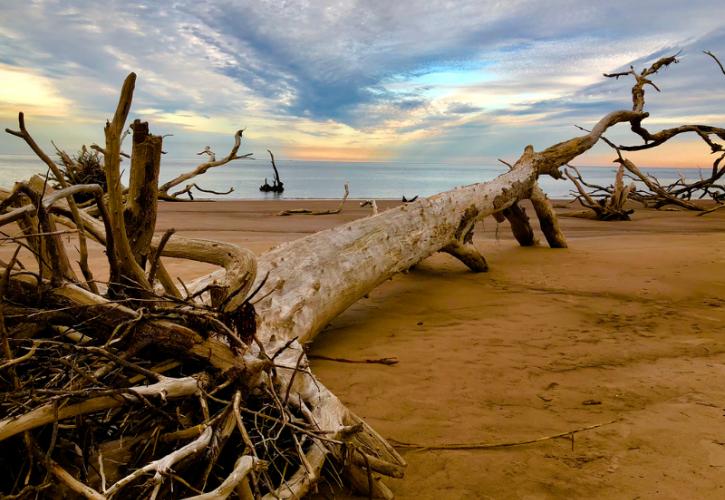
(316, 278)
(313, 279)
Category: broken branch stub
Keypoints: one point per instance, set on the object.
(142, 195)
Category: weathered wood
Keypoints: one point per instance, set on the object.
(240, 265)
(166, 388)
(24, 134)
(75, 304)
(305, 211)
(314, 279)
(610, 207)
(141, 198)
(520, 226)
(468, 254)
(658, 190)
(129, 268)
(203, 167)
(548, 222)
(34, 219)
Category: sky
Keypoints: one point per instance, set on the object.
(368, 80)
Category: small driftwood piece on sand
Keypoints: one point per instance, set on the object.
(305, 211)
(375, 361)
(496, 446)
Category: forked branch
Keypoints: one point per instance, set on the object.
(213, 162)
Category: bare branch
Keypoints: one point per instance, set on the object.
(716, 60)
(189, 187)
(200, 169)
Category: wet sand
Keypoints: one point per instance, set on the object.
(626, 326)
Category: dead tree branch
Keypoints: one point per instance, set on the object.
(611, 206)
(188, 191)
(212, 163)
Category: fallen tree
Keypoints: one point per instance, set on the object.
(133, 388)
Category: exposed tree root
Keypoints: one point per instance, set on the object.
(609, 207)
(121, 390)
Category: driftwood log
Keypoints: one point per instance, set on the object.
(128, 388)
(306, 211)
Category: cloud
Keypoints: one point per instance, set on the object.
(24, 88)
(463, 108)
(366, 75)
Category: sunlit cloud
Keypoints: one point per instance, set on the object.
(23, 88)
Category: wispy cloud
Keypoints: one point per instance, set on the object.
(364, 79)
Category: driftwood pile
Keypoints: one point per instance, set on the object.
(132, 386)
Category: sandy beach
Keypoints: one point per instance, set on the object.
(626, 326)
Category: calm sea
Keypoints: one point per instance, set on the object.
(315, 179)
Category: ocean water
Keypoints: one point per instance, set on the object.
(323, 179)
